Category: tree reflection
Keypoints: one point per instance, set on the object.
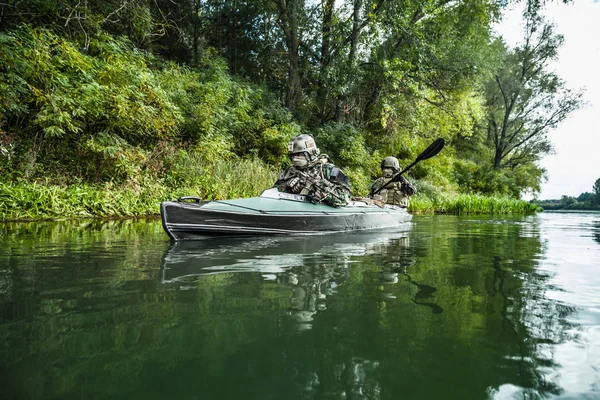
(397, 266)
(596, 230)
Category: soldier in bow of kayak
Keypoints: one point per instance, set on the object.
(313, 174)
(398, 192)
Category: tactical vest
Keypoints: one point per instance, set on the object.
(392, 194)
(328, 184)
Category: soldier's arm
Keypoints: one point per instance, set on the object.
(280, 183)
(332, 195)
(334, 190)
(406, 187)
(289, 181)
(375, 186)
(341, 193)
(342, 196)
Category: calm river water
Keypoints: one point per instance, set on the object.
(448, 308)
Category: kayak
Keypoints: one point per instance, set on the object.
(273, 213)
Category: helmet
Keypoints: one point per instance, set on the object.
(390, 162)
(304, 144)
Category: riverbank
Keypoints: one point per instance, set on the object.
(109, 128)
(574, 207)
(24, 201)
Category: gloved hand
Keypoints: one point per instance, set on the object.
(321, 191)
(407, 188)
(295, 184)
(318, 196)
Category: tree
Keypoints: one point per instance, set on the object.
(566, 201)
(525, 100)
(596, 189)
(586, 197)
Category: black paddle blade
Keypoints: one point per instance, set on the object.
(429, 152)
(432, 150)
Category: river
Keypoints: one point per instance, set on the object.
(449, 307)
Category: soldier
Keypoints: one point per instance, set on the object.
(312, 174)
(397, 193)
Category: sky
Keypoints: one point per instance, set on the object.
(576, 165)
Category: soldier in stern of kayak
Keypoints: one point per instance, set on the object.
(312, 174)
(397, 193)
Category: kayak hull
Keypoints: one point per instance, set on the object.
(273, 213)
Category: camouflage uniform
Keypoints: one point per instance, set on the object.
(397, 193)
(321, 181)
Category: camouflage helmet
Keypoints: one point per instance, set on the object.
(304, 144)
(390, 162)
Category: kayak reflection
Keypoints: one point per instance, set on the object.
(185, 261)
(312, 266)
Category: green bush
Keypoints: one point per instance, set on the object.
(103, 114)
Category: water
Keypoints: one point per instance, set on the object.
(448, 308)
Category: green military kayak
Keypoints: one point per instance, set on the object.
(273, 213)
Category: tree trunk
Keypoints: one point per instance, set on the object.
(343, 104)
(325, 60)
(289, 24)
(356, 28)
(233, 59)
(196, 34)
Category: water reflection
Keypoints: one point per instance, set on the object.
(596, 230)
(453, 308)
(312, 268)
(310, 288)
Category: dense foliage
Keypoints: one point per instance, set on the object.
(164, 97)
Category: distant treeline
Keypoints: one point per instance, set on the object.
(185, 96)
(585, 201)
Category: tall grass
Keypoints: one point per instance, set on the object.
(23, 200)
(32, 201)
(471, 204)
(26, 201)
(241, 178)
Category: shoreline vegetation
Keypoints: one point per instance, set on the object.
(586, 201)
(108, 109)
(35, 202)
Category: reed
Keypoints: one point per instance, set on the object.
(471, 204)
(243, 178)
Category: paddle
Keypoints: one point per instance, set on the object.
(429, 152)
